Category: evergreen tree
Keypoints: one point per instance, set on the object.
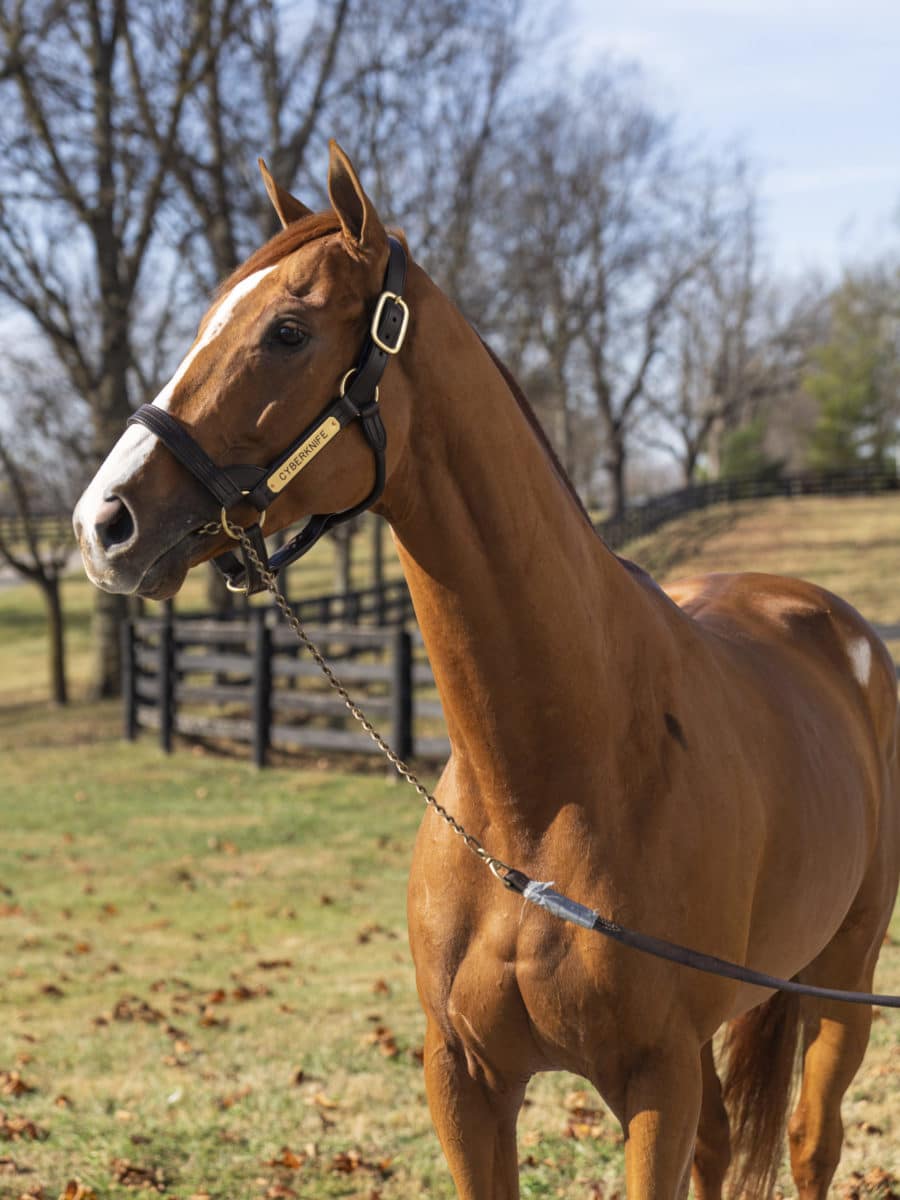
(854, 377)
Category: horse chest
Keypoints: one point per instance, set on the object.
(517, 998)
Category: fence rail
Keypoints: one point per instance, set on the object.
(237, 680)
(640, 519)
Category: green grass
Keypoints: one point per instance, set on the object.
(164, 890)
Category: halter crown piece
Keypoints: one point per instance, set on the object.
(259, 486)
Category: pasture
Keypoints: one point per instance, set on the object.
(205, 985)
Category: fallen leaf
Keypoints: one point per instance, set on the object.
(233, 1098)
(133, 1008)
(383, 1038)
(12, 1084)
(288, 1158)
(131, 1175)
(75, 1190)
(20, 1129)
(209, 1020)
(345, 1162)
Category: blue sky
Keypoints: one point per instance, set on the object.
(811, 91)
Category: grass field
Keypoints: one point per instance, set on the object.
(205, 986)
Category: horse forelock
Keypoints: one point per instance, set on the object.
(297, 234)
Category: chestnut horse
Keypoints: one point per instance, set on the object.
(716, 765)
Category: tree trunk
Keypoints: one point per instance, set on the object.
(109, 613)
(110, 410)
(689, 464)
(615, 468)
(59, 692)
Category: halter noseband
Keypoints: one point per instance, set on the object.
(259, 486)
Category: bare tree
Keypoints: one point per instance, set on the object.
(606, 233)
(82, 197)
(36, 542)
(713, 378)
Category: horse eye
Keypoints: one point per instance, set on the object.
(289, 335)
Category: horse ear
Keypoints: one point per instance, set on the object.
(363, 231)
(288, 207)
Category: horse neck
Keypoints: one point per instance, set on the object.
(530, 622)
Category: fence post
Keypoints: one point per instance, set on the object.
(402, 694)
(262, 687)
(166, 672)
(129, 681)
(378, 564)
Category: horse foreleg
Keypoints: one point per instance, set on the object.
(475, 1116)
(712, 1154)
(662, 1109)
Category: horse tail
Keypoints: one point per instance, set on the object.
(760, 1052)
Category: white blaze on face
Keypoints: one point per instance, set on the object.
(135, 445)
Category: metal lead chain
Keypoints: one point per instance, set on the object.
(499, 868)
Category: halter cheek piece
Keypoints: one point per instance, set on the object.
(259, 486)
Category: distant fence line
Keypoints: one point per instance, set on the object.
(638, 520)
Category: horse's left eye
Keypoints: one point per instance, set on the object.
(289, 335)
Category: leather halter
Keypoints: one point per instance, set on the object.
(259, 486)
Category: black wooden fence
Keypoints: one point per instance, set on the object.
(643, 518)
(249, 681)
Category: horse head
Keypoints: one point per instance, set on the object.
(279, 343)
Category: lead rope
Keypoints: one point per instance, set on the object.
(499, 868)
(541, 894)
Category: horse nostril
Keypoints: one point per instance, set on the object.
(114, 523)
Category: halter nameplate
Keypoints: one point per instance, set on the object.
(307, 452)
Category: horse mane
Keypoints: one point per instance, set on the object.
(537, 428)
(317, 225)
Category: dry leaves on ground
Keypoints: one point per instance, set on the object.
(20, 1129)
(12, 1084)
(875, 1184)
(131, 1175)
(76, 1190)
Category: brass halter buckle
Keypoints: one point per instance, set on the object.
(384, 300)
(235, 531)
